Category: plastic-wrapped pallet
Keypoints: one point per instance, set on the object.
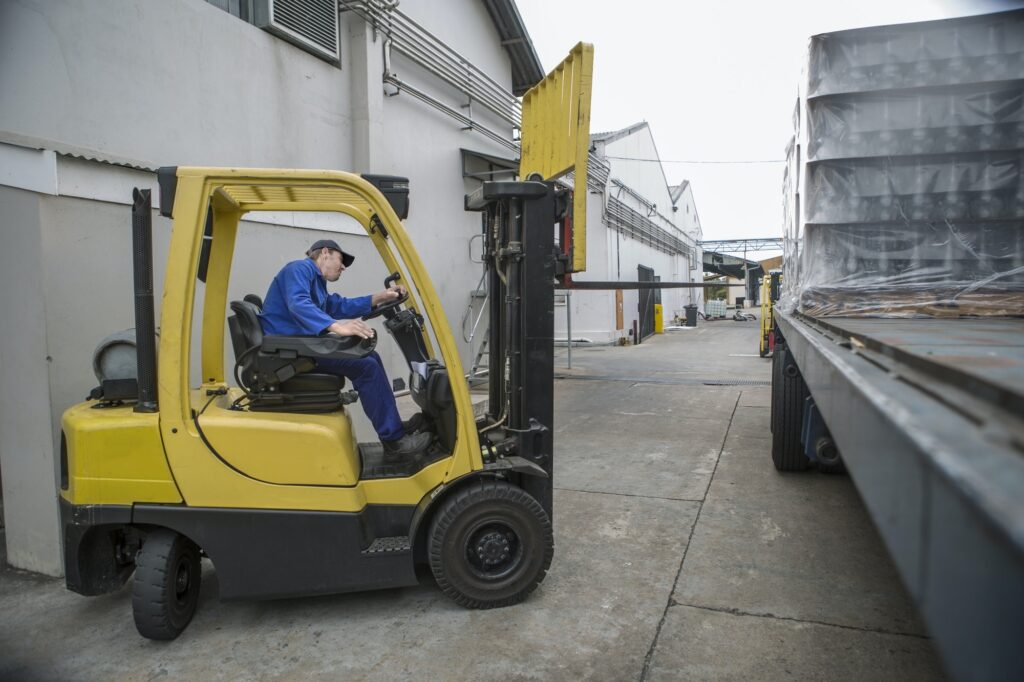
(912, 196)
(715, 308)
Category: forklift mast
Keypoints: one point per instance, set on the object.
(520, 220)
(520, 255)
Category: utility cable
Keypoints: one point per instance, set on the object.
(634, 158)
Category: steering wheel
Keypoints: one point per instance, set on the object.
(388, 309)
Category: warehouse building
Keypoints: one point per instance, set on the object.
(648, 230)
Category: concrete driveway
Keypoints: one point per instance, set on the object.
(680, 554)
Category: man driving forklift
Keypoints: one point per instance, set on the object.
(297, 304)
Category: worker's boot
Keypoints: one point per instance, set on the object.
(415, 423)
(405, 448)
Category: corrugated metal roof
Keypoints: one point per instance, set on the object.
(613, 135)
(676, 191)
(65, 149)
(526, 67)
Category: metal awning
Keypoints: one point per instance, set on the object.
(482, 166)
(731, 266)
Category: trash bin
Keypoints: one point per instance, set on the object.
(691, 314)
(740, 300)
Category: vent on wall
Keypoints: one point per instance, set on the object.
(309, 24)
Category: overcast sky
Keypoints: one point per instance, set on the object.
(716, 81)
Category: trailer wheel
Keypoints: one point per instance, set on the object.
(490, 545)
(165, 590)
(789, 392)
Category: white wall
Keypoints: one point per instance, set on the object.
(686, 216)
(645, 177)
(593, 312)
(181, 82)
(178, 82)
(688, 220)
(30, 475)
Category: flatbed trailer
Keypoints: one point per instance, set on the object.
(928, 416)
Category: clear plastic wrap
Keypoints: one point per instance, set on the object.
(980, 117)
(913, 199)
(988, 47)
(981, 186)
(932, 268)
(791, 223)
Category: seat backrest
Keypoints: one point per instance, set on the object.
(255, 300)
(249, 332)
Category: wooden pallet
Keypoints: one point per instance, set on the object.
(941, 301)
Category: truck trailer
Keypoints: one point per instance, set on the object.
(899, 352)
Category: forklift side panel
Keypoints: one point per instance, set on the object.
(115, 456)
(267, 554)
(283, 447)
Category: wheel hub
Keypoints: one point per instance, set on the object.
(181, 580)
(493, 548)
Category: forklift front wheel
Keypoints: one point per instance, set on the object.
(165, 590)
(490, 545)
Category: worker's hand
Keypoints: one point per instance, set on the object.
(352, 328)
(388, 295)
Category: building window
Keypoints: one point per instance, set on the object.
(239, 8)
(311, 25)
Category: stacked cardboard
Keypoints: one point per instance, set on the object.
(912, 187)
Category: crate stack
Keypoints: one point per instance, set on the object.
(913, 182)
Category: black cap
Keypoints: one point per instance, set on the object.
(346, 258)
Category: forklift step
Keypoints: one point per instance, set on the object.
(373, 465)
(399, 543)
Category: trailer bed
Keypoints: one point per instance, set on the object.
(929, 417)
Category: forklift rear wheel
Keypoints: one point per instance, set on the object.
(490, 545)
(165, 590)
(789, 393)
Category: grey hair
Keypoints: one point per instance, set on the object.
(313, 253)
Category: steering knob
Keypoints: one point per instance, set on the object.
(370, 343)
(390, 308)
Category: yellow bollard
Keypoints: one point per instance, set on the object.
(659, 319)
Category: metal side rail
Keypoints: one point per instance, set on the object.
(940, 467)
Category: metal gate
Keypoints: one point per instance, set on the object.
(648, 297)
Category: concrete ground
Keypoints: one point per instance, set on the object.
(680, 554)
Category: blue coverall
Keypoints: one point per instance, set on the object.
(297, 304)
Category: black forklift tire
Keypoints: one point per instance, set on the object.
(789, 393)
(165, 589)
(490, 545)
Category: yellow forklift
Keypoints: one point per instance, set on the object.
(771, 284)
(264, 475)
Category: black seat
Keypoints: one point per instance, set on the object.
(255, 300)
(276, 371)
